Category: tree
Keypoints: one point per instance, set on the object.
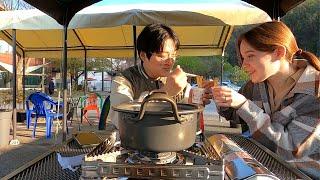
(303, 20)
(238, 76)
(120, 64)
(76, 66)
(304, 23)
(15, 4)
(230, 52)
(192, 65)
(208, 67)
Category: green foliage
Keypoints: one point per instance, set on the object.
(77, 64)
(230, 52)
(5, 76)
(102, 64)
(193, 65)
(238, 76)
(210, 67)
(227, 67)
(304, 23)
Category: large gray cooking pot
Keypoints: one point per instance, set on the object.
(158, 124)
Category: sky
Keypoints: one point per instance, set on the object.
(4, 47)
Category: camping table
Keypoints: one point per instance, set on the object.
(47, 166)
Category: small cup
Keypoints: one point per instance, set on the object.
(197, 94)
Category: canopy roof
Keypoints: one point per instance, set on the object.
(107, 31)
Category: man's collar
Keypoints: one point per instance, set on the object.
(143, 72)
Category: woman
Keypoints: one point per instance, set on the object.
(280, 104)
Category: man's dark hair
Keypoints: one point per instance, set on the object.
(152, 38)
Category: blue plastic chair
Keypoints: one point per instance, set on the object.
(40, 103)
(29, 111)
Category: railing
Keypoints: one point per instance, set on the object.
(9, 106)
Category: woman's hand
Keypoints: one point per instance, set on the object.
(227, 97)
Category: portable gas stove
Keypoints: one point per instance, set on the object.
(216, 157)
(197, 162)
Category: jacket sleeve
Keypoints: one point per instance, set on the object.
(121, 91)
(288, 130)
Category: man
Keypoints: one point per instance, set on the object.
(157, 47)
(51, 86)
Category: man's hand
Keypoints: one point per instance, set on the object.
(176, 82)
(207, 96)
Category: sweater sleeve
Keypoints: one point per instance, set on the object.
(230, 113)
(288, 130)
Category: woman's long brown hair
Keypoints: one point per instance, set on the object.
(268, 36)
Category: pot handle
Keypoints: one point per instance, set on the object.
(159, 96)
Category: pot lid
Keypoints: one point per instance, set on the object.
(158, 107)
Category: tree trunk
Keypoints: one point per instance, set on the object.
(20, 76)
(19, 79)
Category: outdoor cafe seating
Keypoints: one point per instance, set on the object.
(42, 106)
(90, 102)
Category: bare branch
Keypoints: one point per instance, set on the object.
(15, 5)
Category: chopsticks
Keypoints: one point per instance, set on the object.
(191, 75)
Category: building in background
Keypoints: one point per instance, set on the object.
(34, 72)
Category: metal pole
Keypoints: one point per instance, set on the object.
(135, 44)
(276, 10)
(65, 89)
(102, 80)
(221, 77)
(43, 75)
(85, 72)
(221, 67)
(14, 87)
(23, 80)
(111, 76)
